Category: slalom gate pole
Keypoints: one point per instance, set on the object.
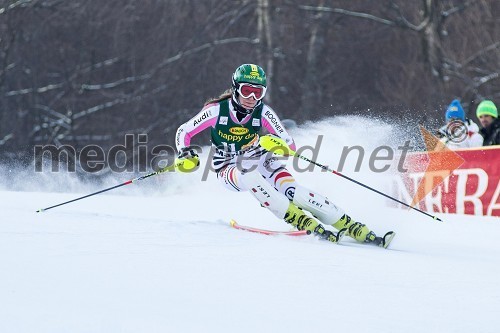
(166, 169)
(276, 144)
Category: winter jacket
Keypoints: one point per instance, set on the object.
(491, 134)
(471, 140)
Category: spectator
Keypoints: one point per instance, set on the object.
(488, 116)
(459, 132)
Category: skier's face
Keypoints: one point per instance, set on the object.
(247, 103)
(485, 120)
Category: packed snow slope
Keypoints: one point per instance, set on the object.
(159, 256)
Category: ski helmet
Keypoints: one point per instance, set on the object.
(253, 75)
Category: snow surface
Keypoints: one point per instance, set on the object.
(159, 256)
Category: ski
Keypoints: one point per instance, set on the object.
(379, 241)
(235, 225)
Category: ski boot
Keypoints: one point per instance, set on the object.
(296, 217)
(361, 233)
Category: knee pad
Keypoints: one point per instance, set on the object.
(318, 205)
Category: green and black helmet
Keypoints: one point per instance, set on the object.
(248, 80)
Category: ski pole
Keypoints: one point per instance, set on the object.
(166, 169)
(275, 144)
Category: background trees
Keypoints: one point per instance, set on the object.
(88, 72)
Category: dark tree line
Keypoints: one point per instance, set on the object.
(82, 72)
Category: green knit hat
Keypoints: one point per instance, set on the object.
(487, 108)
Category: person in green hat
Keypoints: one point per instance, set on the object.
(487, 114)
(241, 163)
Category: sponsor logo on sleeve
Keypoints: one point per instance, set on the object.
(272, 119)
(178, 137)
(204, 116)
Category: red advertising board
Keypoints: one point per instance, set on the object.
(472, 188)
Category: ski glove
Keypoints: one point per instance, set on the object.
(187, 160)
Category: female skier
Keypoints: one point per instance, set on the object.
(241, 164)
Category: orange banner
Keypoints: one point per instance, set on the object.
(472, 188)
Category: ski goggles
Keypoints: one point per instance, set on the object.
(246, 90)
